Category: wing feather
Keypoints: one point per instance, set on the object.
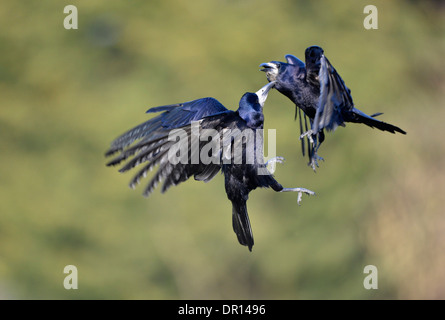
(150, 144)
(335, 98)
(173, 116)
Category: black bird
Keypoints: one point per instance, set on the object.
(318, 90)
(155, 142)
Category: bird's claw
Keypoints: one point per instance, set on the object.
(314, 161)
(275, 160)
(300, 194)
(272, 163)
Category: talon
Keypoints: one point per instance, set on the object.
(277, 159)
(274, 160)
(314, 161)
(271, 163)
(300, 192)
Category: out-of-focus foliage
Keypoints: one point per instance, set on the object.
(65, 94)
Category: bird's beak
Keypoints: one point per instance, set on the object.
(271, 70)
(266, 66)
(263, 92)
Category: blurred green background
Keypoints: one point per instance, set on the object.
(65, 94)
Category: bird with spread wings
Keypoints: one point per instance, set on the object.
(317, 90)
(150, 144)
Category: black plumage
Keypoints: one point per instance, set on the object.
(150, 144)
(318, 90)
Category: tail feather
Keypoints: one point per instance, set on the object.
(370, 121)
(241, 224)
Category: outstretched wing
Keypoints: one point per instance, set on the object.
(335, 97)
(166, 142)
(174, 116)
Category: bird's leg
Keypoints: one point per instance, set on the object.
(309, 134)
(315, 142)
(313, 156)
(272, 162)
(300, 192)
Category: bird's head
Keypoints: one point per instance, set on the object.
(284, 73)
(272, 69)
(256, 100)
(251, 105)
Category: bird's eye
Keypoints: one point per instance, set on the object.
(278, 66)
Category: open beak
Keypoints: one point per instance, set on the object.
(263, 92)
(271, 70)
(266, 66)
